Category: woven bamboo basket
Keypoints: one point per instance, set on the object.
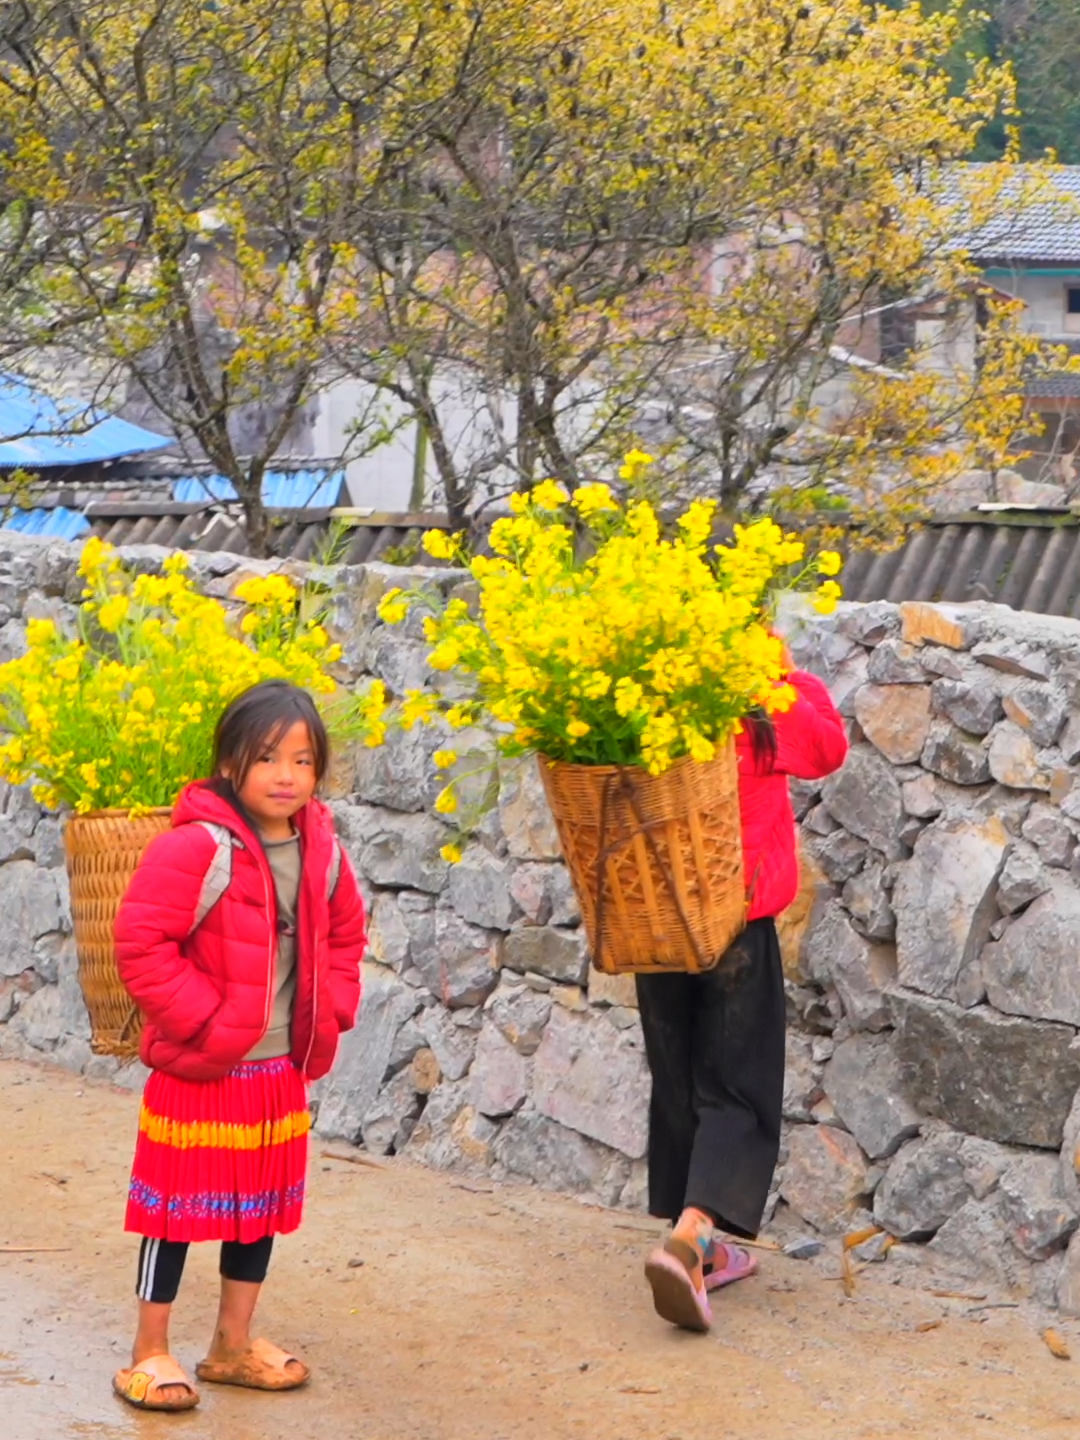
(102, 850)
(656, 861)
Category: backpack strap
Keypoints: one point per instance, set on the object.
(334, 873)
(218, 872)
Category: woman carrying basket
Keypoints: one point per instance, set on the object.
(715, 1040)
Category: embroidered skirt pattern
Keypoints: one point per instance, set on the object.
(221, 1159)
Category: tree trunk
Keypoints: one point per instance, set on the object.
(256, 520)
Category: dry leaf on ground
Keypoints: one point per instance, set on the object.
(1057, 1344)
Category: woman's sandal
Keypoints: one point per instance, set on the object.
(675, 1296)
(738, 1264)
(141, 1386)
(669, 1270)
(263, 1367)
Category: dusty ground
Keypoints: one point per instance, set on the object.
(477, 1315)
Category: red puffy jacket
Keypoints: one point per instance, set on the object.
(811, 741)
(205, 989)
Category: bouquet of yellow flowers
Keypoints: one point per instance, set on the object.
(121, 713)
(630, 649)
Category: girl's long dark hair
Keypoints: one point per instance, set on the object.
(255, 722)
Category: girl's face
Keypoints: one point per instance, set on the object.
(280, 782)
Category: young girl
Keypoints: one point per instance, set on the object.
(715, 1041)
(240, 938)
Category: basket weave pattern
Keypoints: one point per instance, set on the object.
(656, 861)
(103, 849)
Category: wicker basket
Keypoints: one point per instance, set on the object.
(103, 849)
(656, 861)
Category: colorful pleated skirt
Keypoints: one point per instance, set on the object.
(221, 1159)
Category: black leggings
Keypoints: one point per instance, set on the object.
(161, 1265)
(715, 1046)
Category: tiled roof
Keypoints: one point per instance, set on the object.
(1029, 560)
(1047, 229)
(1054, 385)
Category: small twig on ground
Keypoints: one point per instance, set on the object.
(354, 1159)
(955, 1295)
(473, 1189)
(33, 1249)
(860, 1237)
(847, 1274)
(928, 1325)
(639, 1390)
(757, 1244)
(639, 1229)
(995, 1305)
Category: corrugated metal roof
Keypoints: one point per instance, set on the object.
(32, 427)
(281, 489)
(1028, 560)
(348, 537)
(59, 522)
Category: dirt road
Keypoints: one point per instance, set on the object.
(477, 1315)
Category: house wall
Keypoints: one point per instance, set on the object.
(1044, 298)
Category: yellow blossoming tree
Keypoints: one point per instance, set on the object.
(121, 713)
(599, 640)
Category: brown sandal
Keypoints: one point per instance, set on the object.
(141, 1385)
(263, 1367)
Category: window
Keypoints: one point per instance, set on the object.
(1072, 300)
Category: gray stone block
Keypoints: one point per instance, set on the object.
(536, 1148)
(592, 1076)
(479, 890)
(462, 968)
(561, 955)
(864, 796)
(998, 1076)
(825, 1176)
(945, 903)
(350, 1090)
(1033, 969)
(863, 1082)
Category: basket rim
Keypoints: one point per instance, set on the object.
(123, 811)
(722, 755)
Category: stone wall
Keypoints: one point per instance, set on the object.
(933, 1060)
(935, 978)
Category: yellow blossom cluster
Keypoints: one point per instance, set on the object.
(122, 712)
(638, 648)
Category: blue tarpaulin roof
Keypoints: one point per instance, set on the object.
(60, 523)
(32, 429)
(281, 489)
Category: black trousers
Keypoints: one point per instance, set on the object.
(715, 1047)
(161, 1265)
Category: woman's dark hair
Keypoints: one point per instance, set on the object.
(762, 739)
(256, 721)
